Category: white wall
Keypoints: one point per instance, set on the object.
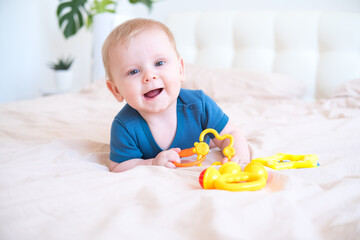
(18, 47)
(30, 40)
(30, 37)
(165, 7)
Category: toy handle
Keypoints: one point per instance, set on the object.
(187, 153)
(190, 164)
(245, 186)
(231, 178)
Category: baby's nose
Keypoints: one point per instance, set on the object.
(146, 79)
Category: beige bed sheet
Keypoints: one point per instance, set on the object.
(54, 182)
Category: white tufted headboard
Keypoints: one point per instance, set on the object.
(320, 49)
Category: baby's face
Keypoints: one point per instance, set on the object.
(148, 73)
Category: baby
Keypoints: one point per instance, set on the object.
(144, 68)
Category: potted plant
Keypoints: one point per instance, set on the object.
(72, 14)
(63, 74)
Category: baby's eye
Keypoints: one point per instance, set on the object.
(133, 72)
(159, 63)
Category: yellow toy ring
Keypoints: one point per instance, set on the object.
(230, 177)
(288, 161)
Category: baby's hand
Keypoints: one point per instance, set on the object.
(165, 158)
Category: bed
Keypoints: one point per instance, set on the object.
(289, 80)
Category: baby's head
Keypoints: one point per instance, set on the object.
(142, 64)
(122, 35)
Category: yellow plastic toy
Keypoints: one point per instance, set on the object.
(230, 177)
(201, 148)
(288, 161)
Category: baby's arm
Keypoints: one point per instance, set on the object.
(164, 158)
(241, 146)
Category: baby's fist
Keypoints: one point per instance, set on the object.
(165, 158)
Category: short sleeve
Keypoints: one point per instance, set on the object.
(122, 145)
(214, 116)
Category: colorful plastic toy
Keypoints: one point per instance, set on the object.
(288, 161)
(201, 148)
(230, 177)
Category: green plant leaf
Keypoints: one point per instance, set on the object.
(70, 16)
(104, 6)
(89, 21)
(148, 3)
(62, 64)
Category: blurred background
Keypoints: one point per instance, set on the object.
(31, 38)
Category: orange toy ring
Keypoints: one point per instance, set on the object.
(187, 153)
(190, 164)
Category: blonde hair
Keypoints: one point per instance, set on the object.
(123, 33)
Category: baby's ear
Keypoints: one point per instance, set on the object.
(114, 90)
(182, 70)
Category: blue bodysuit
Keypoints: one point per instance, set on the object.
(131, 136)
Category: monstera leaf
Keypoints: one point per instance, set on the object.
(69, 15)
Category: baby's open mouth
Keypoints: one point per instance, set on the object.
(153, 93)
